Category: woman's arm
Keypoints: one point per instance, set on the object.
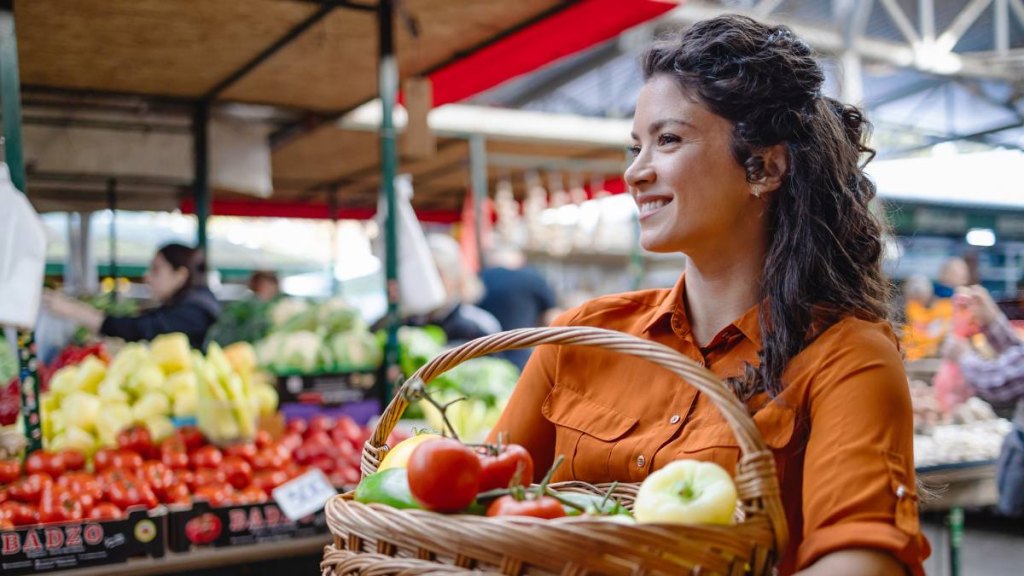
(855, 562)
(74, 310)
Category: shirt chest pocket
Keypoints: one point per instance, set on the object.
(586, 432)
(717, 443)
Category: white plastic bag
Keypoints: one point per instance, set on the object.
(419, 284)
(22, 256)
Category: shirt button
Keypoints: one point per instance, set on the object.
(674, 419)
(901, 491)
(640, 461)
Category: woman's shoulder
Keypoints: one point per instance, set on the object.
(202, 298)
(615, 310)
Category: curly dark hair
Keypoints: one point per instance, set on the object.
(825, 249)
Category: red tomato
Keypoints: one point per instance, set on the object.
(208, 476)
(444, 475)
(106, 511)
(30, 488)
(186, 477)
(203, 529)
(320, 423)
(543, 507)
(137, 439)
(19, 514)
(344, 477)
(103, 459)
(58, 505)
(263, 439)
(251, 495)
(497, 470)
(192, 437)
(268, 459)
(46, 462)
(176, 493)
(238, 471)
(324, 463)
(157, 475)
(206, 457)
(346, 430)
(291, 442)
(297, 426)
(6, 524)
(81, 483)
(73, 460)
(126, 460)
(216, 494)
(244, 451)
(10, 470)
(316, 444)
(4, 496)
(267, 480)
(127, 493)
(174, 460)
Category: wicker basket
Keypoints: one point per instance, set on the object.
(377, 539)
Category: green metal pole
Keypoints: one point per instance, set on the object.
(956, 539)
(10, 93)
(200, 149)
(387, 78)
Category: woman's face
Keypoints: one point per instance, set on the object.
(163, 280)
(692, 194)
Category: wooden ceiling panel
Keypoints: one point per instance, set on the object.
(179, 48)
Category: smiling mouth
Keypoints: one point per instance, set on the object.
(649, 207)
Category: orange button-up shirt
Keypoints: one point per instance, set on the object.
(841, 430)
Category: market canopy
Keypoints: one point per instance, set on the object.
(313, 61)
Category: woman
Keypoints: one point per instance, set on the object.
(177, 280)
(742, 164)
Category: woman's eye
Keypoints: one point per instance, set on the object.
(634, 150)
(665, 139)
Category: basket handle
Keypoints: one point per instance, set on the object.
(755, 472)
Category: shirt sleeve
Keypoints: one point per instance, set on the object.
(191, 320)
(522, 421)
(858, 479)
(997, 380)
(1000, 334)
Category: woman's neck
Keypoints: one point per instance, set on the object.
(718, 293)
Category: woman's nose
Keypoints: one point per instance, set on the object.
(639, 172)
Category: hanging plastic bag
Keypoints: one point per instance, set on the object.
(419, 285)
(951, 388)
(22, 256)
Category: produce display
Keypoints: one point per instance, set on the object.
(140, 471)
(306, 338)
(151, 385)
(969, 432)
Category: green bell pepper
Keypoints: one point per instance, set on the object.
(389, 487)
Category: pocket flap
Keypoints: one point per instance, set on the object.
(567, 407)
(776, 423)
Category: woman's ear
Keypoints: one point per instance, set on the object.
(774, 166)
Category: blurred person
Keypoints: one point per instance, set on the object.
(743, 164)
(953, 273)
(517, 295)
(177, 282)
(998, 380)
(265, 285)
(927, 319)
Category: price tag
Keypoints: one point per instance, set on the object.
(304, 495)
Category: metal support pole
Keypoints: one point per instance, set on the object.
(10, 104)
(332, 208)
(956, 539)
(387, 77)
(201, 160)
(478, 176)
(112, 205)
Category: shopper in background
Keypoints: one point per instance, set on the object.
(264, 285)
(743, 165)
(999, 380)
(927, 319)
(517, 295)
(458, 317)
(177, 281)
(953, 273)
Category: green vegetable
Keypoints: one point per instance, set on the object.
(242, 321)
(594, 504)
(389, 487)
(8, 363)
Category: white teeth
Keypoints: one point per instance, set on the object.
(651, 206)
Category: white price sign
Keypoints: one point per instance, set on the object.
(304, 495)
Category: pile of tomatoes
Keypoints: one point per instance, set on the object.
(63, 486)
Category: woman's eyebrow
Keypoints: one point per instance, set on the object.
(659, 124)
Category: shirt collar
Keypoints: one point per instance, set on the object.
(672, 312)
